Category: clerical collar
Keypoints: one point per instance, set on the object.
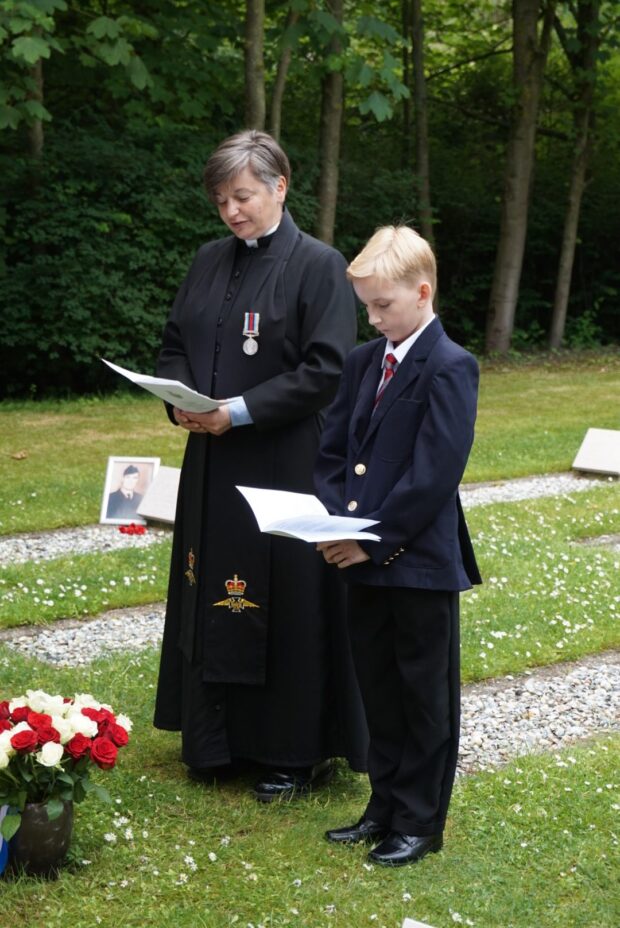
(264, 240)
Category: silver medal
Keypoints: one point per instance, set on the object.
(251, 322)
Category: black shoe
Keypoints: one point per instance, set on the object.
(398, 849)
(364, 830)
(292, 781)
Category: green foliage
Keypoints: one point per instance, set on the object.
(583, 331)
(102, 230)
(94, 253)
(32, 30)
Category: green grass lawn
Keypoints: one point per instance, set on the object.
(532, 419)
(533, 844)
(530, 846)
(86, 584)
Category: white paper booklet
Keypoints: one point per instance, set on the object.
(302, 515)
(171, 391)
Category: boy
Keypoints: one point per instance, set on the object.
(394, 448)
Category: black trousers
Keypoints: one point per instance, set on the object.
(406, 651)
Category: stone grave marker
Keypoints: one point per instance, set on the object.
(599, 452)
(160, 500)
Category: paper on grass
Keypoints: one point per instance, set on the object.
(171, 391)
(303, 516)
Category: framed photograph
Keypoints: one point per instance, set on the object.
(126, 482)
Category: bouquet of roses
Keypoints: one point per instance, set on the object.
(48, 745)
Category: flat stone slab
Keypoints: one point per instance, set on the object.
(160, 500)
(599, 452)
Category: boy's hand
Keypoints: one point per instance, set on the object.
(342, 553)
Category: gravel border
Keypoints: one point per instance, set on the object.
(538, 710)
(505, 491)
(40, 546)
(501, 718)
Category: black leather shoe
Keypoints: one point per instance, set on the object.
(364, 830)
(292, 781)
(398, 849)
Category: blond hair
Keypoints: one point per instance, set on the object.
(395, 253)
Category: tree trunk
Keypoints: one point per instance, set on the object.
(583, 64)
(332, 95)
(35, 130)
(529, 59)
(421, 123)
(254, 64)
(275, 115)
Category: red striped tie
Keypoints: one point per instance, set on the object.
(389, 369)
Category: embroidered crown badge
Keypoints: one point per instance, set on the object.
(235, 600)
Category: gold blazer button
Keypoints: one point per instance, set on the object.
(352, 506)
(360, 469)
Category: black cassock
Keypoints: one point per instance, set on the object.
(255, 659)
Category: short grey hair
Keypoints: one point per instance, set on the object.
(251, 149)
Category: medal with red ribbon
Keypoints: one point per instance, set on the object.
(250, 330)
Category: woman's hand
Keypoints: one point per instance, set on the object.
(212, 423)
(343, 553)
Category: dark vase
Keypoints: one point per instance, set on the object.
(39, 846)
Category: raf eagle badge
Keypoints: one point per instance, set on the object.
(235, 600)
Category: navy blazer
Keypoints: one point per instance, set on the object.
(402, 465)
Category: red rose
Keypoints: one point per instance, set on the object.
(48, 733)
(78, 747)
(103, 752)
(25, 741)
(5, 712)
(132, 529)
(38, 720)
(100, 716)
(116, 734)
(5, 725)
(20, 714)
(106, 716)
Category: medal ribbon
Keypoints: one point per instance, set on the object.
(251, 324)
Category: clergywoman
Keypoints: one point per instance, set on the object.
(255, 660)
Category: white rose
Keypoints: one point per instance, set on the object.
(52, 705)
(63, 727)
(5, 742)
(82, 724)
(37, 699)
(124, 722)
(4, 757)
(21, 726)
(85, 701)
(50, 754)
(17, 703)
